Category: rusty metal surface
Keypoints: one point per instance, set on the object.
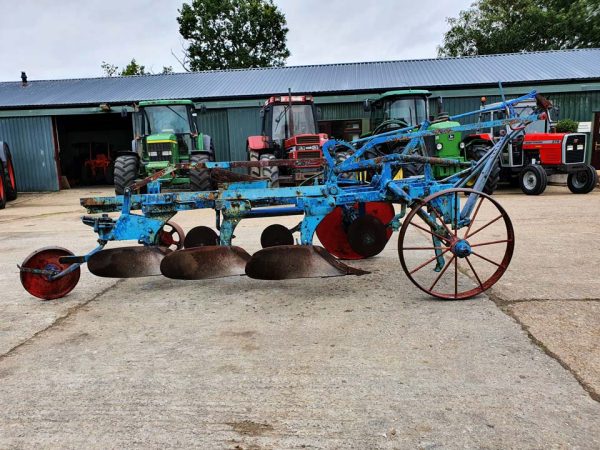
(127, 262)
(227, 176)
(296, 261)
(205, 262)
(201, 236)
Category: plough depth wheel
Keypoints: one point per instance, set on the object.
(334, 231)
(47, 260)
(171, 236)
(453, 259)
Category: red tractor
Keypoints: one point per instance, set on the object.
(289, 131)
(540, 152)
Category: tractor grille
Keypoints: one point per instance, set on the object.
(307, 140)
(575, 149)
(160, 151)
(308, 154)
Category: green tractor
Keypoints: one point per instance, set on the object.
(405, 108)
(165, 132)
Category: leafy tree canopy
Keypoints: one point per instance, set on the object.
(233, 34)
(501, 26)
(133, 68)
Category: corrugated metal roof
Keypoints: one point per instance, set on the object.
(555, 66)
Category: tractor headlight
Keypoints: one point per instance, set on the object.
(166, 153)
(153, 153)
(461, 145)
(439, 146)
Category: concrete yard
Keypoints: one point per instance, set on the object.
(347, 362)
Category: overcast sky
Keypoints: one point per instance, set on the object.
(70, 38)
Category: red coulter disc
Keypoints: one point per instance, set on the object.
(333, 233)
(39, 285)
(171, 236)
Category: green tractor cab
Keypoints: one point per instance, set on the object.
(165, 132)
(405, 108)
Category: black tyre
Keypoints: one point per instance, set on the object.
(584, 181)
(475, 153)
(200, 178)
(126, 170)
(10, 179)
(3, 198)
(271, 172)
(253, 171)
(340, 157)
(533, 179)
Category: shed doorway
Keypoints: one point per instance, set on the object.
(87, 146)
(596, 141)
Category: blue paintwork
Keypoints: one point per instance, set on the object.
(239, 200)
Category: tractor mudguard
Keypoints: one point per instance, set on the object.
(257, 143)
(126, 153)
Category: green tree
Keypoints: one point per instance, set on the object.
(500, 26)
(133, 68)
(233, 34)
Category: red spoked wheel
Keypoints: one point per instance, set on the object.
(40, 285)
(333, 231)
(452, 258)
(3, 198)
(171, 236)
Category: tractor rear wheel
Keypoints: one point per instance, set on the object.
(200, 178)
(475, 153)
(10, 179)
(126, 170)
(270, 172)
(533, 179)
(584, 181)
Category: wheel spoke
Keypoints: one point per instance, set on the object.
(486, 259)
(474, 216)
(430, 232)
(455, 214)
(442, 272)
(429, 261)
(425, 248)
(441, 220)
(474, 272)
(483, 227)
(491, 243)
(455, 277)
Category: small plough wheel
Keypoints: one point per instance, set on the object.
(40, 285)
(171, 236)
(453, 258)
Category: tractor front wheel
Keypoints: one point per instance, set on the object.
(584, 181)
(475, 153)
(533, 179)
(126, 170)
(270, 172)
(200, 178)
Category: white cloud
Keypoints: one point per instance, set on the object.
(70, 38)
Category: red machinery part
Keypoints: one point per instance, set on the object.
(334, 235)
(171, 235)
(39, 285)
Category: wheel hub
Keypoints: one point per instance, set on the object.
(461, 248)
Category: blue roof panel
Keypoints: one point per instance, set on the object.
(555, 66)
